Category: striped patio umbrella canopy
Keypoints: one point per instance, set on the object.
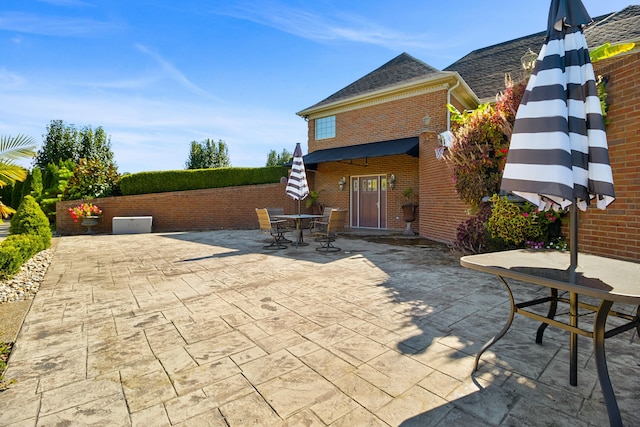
(558, 154)
(297, 186)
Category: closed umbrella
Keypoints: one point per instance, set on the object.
(297, 186)
(558, 155)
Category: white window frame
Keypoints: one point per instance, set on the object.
(326, 127)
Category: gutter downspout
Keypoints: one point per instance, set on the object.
(449, 102)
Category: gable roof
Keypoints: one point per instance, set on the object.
(622, 26)
(402, 69)
(484, 69)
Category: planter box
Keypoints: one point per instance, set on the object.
(131, 224)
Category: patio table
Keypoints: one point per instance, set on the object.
(297, 218)
(604, 279)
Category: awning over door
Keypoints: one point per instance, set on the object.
(408, 146)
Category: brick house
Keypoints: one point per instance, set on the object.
(380, 134)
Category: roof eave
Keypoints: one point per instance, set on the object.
(447, 79)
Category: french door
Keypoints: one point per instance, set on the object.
(369, 201)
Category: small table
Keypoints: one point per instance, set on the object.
(604, 279)
(297, 218)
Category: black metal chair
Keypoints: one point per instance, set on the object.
(335, 225)
(273, 228)
(285, 225)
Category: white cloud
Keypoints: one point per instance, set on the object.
(66, 3)
(175, 74)
(9, 80)
(29, 23)
(346, 27)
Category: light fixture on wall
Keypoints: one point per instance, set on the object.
(528, 61)
(391, 181)
(342, 182)
(426, 120)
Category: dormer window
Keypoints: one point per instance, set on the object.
(326, 127)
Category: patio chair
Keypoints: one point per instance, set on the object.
(273, 228)
(319, 225)
(284, 224)
(337, 219)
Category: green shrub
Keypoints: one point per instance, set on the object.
(481, 144)
(522, 224)
(17, 249)
(196, 179)
(91, 179)
(472, 235)
(29, 219)
(30, 234)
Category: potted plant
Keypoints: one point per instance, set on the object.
(87, 213)
(409, 207)
(312, 202)
(409, 210)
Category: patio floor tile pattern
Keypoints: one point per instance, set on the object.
(207, 328)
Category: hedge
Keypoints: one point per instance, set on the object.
(197, 179)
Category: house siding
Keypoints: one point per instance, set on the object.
(615, 231)
(441, 210)
(405, 168)
(394, 119)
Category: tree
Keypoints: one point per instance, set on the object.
(91, 179)
(95, 145)
(12, 149)
(208, 154)
(64, 142)
(59, 144)
(274, 159)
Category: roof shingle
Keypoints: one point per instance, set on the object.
(404, 68)
(484, 69)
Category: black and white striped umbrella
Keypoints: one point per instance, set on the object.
(297, 186)
(558, 154)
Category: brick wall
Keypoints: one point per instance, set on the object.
(615, 231)
(441, 210)
(404, 167)
(395, 119)
(211, 209)
(401, 118)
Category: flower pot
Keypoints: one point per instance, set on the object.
(90, 221)
(409, 215)
(409, 212)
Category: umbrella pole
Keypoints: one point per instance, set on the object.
(573, 297)
(573, 237)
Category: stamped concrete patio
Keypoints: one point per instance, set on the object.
(207, 328)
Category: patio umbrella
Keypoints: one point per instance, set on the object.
(558, 155)
(297, 186)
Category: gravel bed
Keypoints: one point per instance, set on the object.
(25, 284)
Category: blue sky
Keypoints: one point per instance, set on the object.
(158, 74)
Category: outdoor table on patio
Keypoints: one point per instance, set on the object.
(297, 218)
(605, 279)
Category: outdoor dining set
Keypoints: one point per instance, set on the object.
(323, 228)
